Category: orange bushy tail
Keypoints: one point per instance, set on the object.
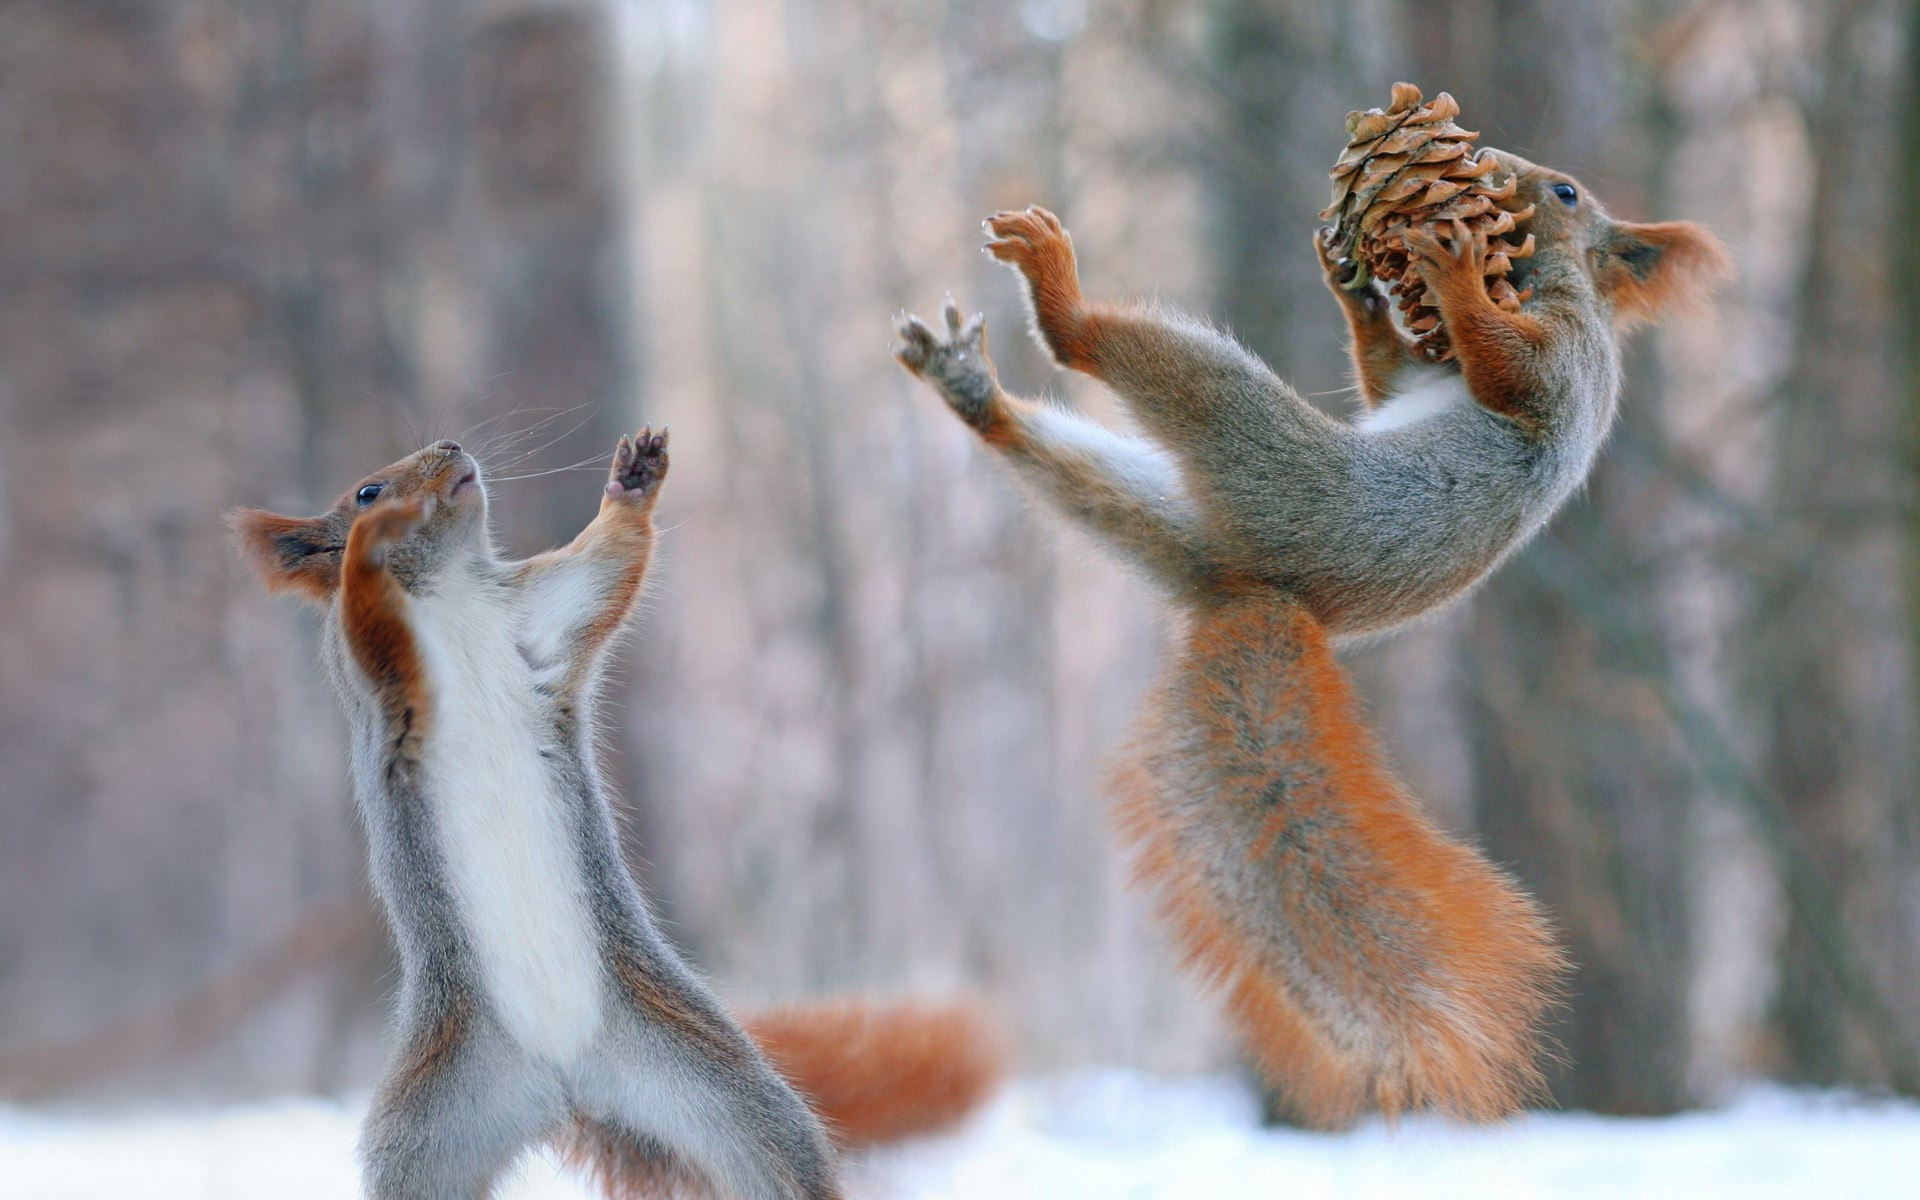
(1367, 958)
(879, 1072)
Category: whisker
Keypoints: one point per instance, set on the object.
(477, 426)
(510, 440)
(583, 465)
(517, 459)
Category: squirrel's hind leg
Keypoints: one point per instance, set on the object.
(680, 1096)
(458, 1106)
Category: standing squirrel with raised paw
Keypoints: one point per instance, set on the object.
(1368, 958)
(538, 1002)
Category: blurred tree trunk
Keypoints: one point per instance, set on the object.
(1837, 731)
(271, 245)
(1577, 780)
(1284, 72)
(875, 744)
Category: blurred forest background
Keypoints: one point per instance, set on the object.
(250, 249)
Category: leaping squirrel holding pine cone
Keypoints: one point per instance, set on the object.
(1368, 958)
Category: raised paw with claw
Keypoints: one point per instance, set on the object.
(639, 466)
(1347, 279)
(1035, 243)
(957, 363)
(1459, 261)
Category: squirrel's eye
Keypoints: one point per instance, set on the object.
(1566, 193)
(367, 494)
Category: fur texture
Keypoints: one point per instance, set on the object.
(1368, 958)
(878, 1073)
(538, 1001)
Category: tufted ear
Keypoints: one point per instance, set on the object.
(290, 554)
(1650, 269)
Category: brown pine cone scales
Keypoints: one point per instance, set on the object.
(1410, 166)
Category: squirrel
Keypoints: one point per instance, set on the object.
(1367, 958)
(539, 1002)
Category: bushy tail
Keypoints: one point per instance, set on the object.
(878, 1072)
(1367, 958)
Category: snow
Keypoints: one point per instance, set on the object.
(1115, 1135)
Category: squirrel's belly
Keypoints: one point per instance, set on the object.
(510, 857)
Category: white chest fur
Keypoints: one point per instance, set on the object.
(1425, 392)
(512, 864)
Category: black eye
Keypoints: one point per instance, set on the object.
(368, 494)
(1566, 193)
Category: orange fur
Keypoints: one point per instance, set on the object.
(1379, 352)
(878, 1073)
(1378, 349)
(999, 427)
(1368, 959)
(373, 619)
(1498, 351)
(623, 1167)
(296, 555)
(1649, 269)
(1036, 242)
(428, 1055)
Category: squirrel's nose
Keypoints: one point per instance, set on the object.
(449, 447)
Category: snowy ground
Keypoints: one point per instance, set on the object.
(1109, 1134)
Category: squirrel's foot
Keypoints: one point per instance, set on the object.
(388, 521)
(1033, 242)
(639, 466)
(957, 364)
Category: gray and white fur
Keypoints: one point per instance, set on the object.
(538, 999)
(1242, 485)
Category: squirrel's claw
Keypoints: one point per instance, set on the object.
(1460, 252)
(1014, 236)
(1347, 275)
(962, 330)
(917, 342)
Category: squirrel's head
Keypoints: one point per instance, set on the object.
(1641, 270)
(301, 555)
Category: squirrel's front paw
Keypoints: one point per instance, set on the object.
(1347, 279)
(957, 364)
(1033, 241)
(388, 521)
(1459, 262)
(639, 466)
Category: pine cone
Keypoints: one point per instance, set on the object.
(1408, 166)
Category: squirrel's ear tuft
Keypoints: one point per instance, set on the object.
(290, 554)
(1650, 269)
